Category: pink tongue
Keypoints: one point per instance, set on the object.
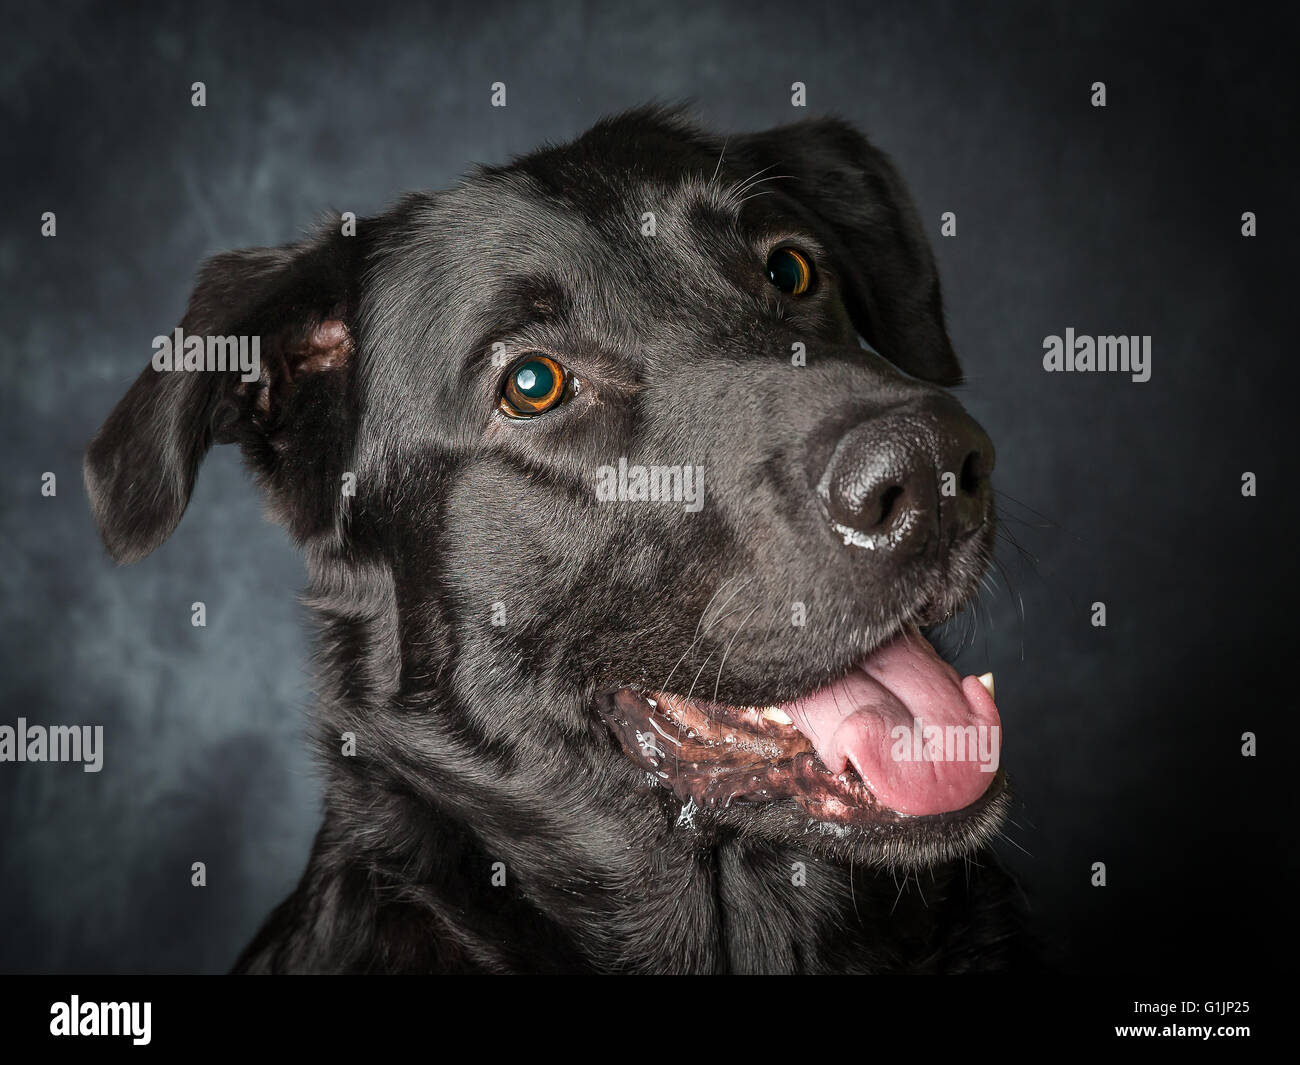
(921, 738)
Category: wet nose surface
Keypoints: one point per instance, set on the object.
(908, 478)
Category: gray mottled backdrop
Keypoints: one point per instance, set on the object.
(1124, 741)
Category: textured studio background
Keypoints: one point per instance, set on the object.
(1124, 741)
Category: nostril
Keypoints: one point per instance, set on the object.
(888, 501)
(973, 473)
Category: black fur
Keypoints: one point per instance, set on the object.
(477, 743)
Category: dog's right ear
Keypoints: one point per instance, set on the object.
(296, 306)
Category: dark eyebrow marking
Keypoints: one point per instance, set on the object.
(516, 303)
(543, 295)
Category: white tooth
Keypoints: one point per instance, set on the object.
(777, 715)
(987, 681)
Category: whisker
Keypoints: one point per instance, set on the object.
(698, 635)
(718, 167)
(1013, 843)
(1049, 523)
(741, 186)
(1020, 602)
(723, 661)
(900, 893)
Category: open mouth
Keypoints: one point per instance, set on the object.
(901, 739)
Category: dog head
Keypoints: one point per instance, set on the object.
(627, 474)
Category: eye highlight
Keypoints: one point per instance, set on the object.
(790, 270)
(534, 385)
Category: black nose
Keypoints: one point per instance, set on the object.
(910, 478)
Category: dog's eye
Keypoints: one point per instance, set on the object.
(534, 385)
(790, 270)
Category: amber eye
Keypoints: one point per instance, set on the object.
(533, 386)
(790, 270)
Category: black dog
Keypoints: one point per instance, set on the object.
(619, 541)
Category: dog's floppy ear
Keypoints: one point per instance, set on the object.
(295, 307)
(891, 283)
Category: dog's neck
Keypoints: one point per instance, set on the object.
(481, 880)
(453, 850)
